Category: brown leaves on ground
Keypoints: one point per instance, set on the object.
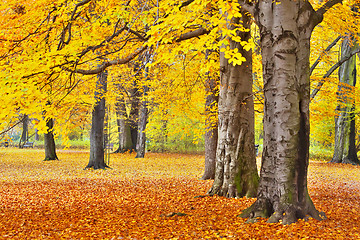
(153, 198)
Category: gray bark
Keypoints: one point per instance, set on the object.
(141, 136)
(49, 142)
(25, 131)
(125, 143)
(211, 131)
(143, 116)
(97, 160)
(345, 149)
(134, 114)
(285, 30)
(236, 173)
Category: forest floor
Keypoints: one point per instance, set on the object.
(153, 198)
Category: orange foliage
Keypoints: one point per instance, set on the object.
(142, 199)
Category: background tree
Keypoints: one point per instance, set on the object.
(345, 149)
(125, 143)
(211, 126)
(49, 141)
(25, 131)
(96, 159)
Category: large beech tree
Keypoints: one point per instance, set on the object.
(285, 30)
(236, 173)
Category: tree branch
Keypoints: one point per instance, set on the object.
(192, 34)
(11, 127)
(248, 6)
(324, 8)
(323, 53)
(331, 70)
(107, 64)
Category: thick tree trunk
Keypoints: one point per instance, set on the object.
(285, 30)
(125, 143)
(96, 160)
(211, 131)
(25, 131)
(345, 149)
(236, 173)
(49, 142)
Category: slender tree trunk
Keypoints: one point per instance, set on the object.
(141, 137)
(36, 137)
(25, 131)
(49, 142)
(143, 115)
(285, 30)
(236, 173)
(345, 149)
(125, 143)
(96, 160)
(211, 131)
(134, 114)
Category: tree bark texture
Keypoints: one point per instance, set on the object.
(211, 131)
(97, 160)
(143, 115)
(285, 30)
(141, 136)
(236, 173)
(134, 114)
(25, 131)
(125, 143)
(49, 141)
(345, 148)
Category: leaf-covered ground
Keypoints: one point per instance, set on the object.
(153, 198)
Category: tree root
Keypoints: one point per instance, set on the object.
(285, 214)
(95, 167)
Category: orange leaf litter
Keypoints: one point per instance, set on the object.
(153, 198)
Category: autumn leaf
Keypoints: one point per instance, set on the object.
(147, 199)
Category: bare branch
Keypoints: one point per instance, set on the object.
(107, 64)
(11, 127)
(323, 53)
(329, 4)
(331, 70)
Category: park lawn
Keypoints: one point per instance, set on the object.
(158, 197)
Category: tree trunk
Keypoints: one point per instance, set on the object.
(236, 173)
(345, 149)
(96, 160)
(125, 143)
(285, 30)
(143, 116)
(134, 114)
(211, 131)
(25, 131)
(49, 142)
(141, 137)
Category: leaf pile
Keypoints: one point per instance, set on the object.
(153, 198)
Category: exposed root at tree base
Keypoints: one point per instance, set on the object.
(96, 167)
(346, 161)
(285, 214)
(51, 159)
